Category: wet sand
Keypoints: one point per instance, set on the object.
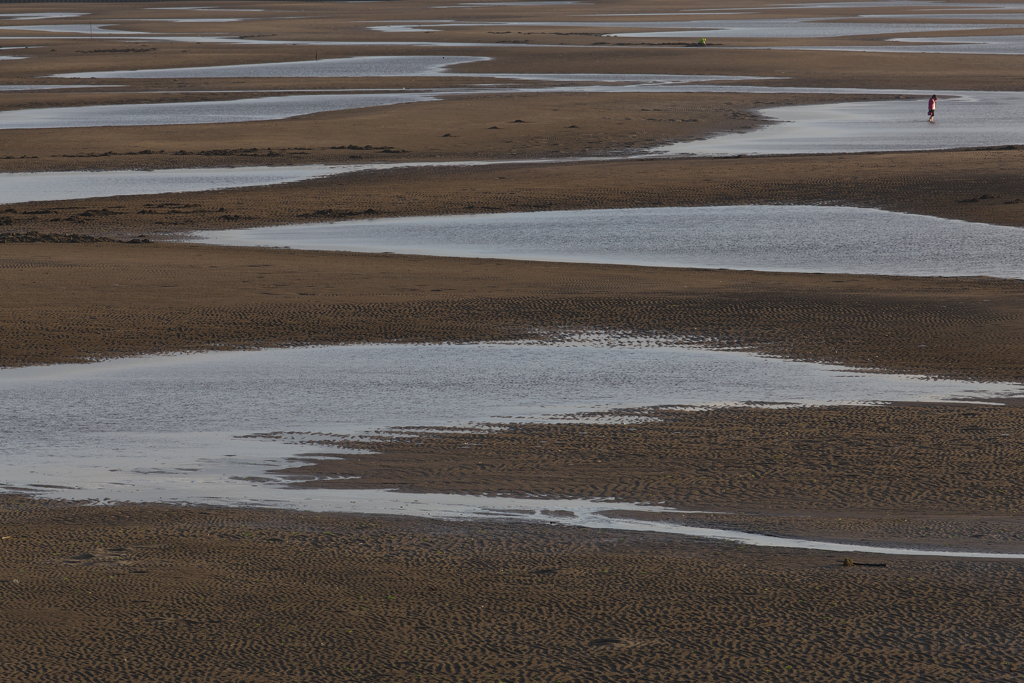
(75, 302)
(150, 592)
(158, 593)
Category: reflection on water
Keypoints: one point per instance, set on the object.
(975, 45)
(348, 67)
(963, 120)
(35, 16)
(818, 239)
(89, 29)
(715, 29)
(802, 28)
(170, 426)
(196, 21)
(384, 67)
(5, 88)
(58, 185)
(173, 428)
(183, 113)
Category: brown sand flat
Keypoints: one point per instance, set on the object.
(893, 460)
(153, 593)
(150, 593)
(72, 302)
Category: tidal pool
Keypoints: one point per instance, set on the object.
(963, 119)
(214, 427)
(800, 28)
(58, 185)
(99, 30)
(12, 88)
(960, 44)
(35, 16)
(794, 28)
(183, 113)
(966, 119)
(348, 67)
(973, 45)
(383, 67)
(818, 239)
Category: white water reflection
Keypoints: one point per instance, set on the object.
(36, 16)
(59, 185)
(714, 29)
(71, 426)
(12, 88)
(972, 45)
(799, 28)
(202, 9)
(1012, 44)
(818, 239)
(184, 113)
(347, 67)
(196, 21)
(388, 67)
(174, 428)
(962, 120)
(90, 29)
(402, 29)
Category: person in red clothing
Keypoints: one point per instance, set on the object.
(931, 108)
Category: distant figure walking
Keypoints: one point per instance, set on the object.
(931, 108)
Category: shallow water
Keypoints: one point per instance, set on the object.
(349, 67)
(800, 29)
(56, 186)
(793, 28)
(907, 4)
(384, 67)
(91, 29)
(183, 113)
(818, 239)
(59, 185)
(174, 428)
(962, 120)
(35, 16)
(203, 9)
(204, 20)
(5, 88)
(970, 45)
(402, 29)
(74, 423)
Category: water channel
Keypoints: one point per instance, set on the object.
(815, 239)
(214, 427)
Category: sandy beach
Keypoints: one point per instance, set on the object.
(157, 591)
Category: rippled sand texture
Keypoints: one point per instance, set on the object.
(308, 597)
(149, 592)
